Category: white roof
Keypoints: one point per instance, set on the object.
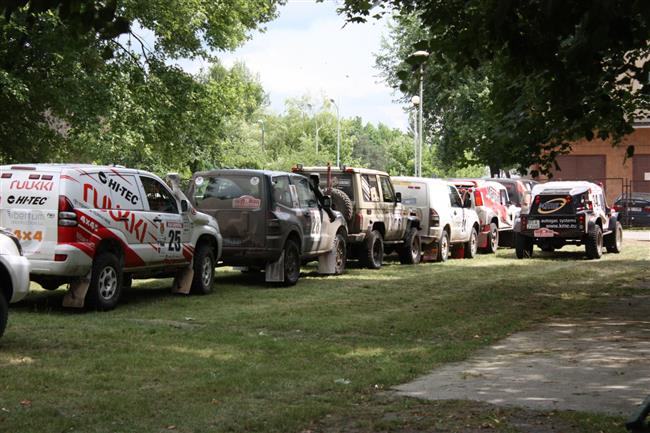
(427, 180)
(66, 167)
(566, 187)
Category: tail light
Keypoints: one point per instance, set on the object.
(620, 208)
(581, 220)
(434, 218)
(538, 199)
(273, 224)
(646, 209)
(524, 222)
(67, 220)
(478, 198)
(358, 220)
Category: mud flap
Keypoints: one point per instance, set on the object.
(274, 272)
(183, 281)
(430, 252)
(76, 295)
(327, 262)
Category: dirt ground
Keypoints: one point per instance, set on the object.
(596, 364)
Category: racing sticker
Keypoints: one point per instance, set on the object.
(255, 180)
(246, 202)
(31, 227)
(551, 206)
(198, 181)
(294, 196)
(316, 223)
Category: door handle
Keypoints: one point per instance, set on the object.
(307, 214)
(157, 220)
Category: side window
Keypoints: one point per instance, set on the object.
(387, 189)
(504, 197)
(121, 192)
(454, 198)
(282, 191)
(159, 198)
(369, 187)
(306, 196)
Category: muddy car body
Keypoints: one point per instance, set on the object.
(268, 218)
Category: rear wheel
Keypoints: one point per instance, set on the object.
(594, 243)
(492, 239)
(410, 252)
(443, 247)
(471, 246)
(291, 263)
(105, 282)
(614, 241)
(341, 254)
(373, 256)
(4, 314)
(203, 264)
(523, 246)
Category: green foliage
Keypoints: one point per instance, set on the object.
(554, 71)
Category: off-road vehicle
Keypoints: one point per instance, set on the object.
(445, 220)
(14, 274)
(377, 221)
(565, 213)
(272, 221)
(105, 225)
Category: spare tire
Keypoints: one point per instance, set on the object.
(342, 203)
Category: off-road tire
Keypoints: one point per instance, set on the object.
(341, 253)
(51, 284)
(4, 314)
(373, 253)
(492, 240)
(410, 252)
(614, 240)
(203, 265)
(127, 282)
(443, 247)
(523, 246)
(105, 286)
(471, 246)
(291, 263)
(342, 203)
(594, 242)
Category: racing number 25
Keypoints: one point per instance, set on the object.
(174, 240)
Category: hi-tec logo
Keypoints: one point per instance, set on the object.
(552, 205)
(38, 185)
(25, 199)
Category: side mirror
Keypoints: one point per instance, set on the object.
(184, 206)
(327, 202)
(398, 197)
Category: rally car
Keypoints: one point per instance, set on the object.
(568, 213)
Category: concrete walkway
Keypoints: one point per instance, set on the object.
(591, 365)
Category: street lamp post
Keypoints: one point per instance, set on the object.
(415, 101)
(425, 54)
(338, 133)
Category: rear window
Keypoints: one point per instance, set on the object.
(228, 192)
(342, 181)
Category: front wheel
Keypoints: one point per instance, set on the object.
(291, 263)
(105, 282)
(471, 246)
(594, 243)
(410, 252)
(523, 246)
(341, 254)
(203, 266)
(614, 241)
(4, 314)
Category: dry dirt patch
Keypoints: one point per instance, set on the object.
(595, 364)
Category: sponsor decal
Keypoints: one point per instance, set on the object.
(255, 180)
(174, 225)
(560, 223)
(551, 206)
(34, 185)
(26, 199)
(198, 181)
(116, 186)
(246, 202)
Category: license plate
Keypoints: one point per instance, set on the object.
(544, 233)
(533, 224)
(635, 209)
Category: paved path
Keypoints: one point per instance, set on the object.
(637, 235)
(594, 365)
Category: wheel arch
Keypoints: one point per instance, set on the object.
(380, 227)
(112, 246)
(295, 236)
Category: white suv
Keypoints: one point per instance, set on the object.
(444, 219)
(105, 225)
(14, 275)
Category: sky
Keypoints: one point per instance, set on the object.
(308, 51)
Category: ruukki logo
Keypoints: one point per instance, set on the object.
(34, 185)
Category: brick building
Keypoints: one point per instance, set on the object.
(598, 161)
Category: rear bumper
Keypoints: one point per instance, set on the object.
(76, 264)
(18, 267)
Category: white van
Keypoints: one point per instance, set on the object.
(107, 224)
(444, 219)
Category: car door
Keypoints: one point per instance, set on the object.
(312, 215)
(392, 210)
(458, 223)
(164, 214)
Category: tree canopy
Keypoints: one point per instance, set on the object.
(527, 77)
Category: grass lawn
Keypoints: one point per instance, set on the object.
(313, 357)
